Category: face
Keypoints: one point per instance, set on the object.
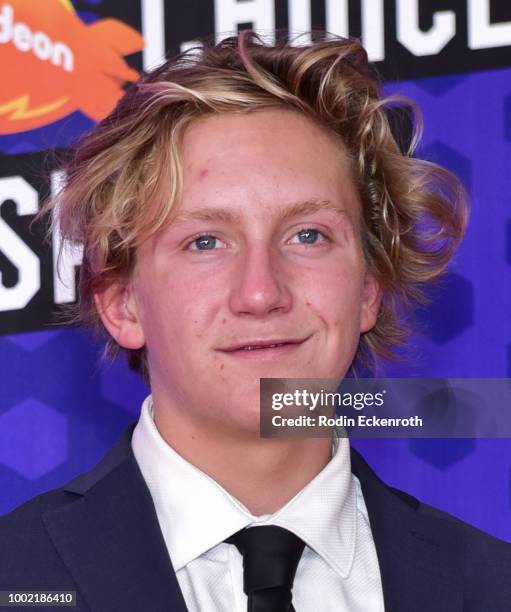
(264, 251)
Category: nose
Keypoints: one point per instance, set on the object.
(259, 288)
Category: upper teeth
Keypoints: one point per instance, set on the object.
(251, 348)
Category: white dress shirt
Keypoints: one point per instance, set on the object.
(338, 570)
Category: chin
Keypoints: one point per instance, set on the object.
(246, 419)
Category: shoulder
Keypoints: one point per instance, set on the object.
(485, 559)
(25, 540)
(433, 549)
(26, 518)
(26, 521)
(27, 555)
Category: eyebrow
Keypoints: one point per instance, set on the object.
(285, 213)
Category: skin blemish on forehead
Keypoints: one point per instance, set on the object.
(203, 173)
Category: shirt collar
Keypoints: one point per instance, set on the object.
(195, 513)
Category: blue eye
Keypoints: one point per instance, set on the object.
(203, 243)
(309, 235)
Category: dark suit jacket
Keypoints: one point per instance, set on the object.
(99, 536)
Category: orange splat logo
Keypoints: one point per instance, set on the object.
(52, 64)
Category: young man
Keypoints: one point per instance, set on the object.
(246, 213)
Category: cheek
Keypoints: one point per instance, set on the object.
(337, 306)
(335, 294)
(178, 313)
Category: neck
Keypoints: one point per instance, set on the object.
(262, 473)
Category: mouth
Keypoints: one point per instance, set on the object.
(264, 349)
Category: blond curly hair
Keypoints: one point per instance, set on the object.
(125, 177)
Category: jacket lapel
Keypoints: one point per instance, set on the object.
(419, 554)
(110, 540)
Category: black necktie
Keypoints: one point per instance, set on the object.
(270, 558)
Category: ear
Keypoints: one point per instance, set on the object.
(371, 299)
(117, 308)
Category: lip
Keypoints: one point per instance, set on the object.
(263, 342)
(288, 345)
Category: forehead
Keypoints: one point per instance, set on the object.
(262, 160)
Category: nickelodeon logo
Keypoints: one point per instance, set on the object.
(21, 36)
(52, 64)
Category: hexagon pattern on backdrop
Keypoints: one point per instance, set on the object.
(55, 387)
(33, 438)
(453, 294)
(440, 455)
